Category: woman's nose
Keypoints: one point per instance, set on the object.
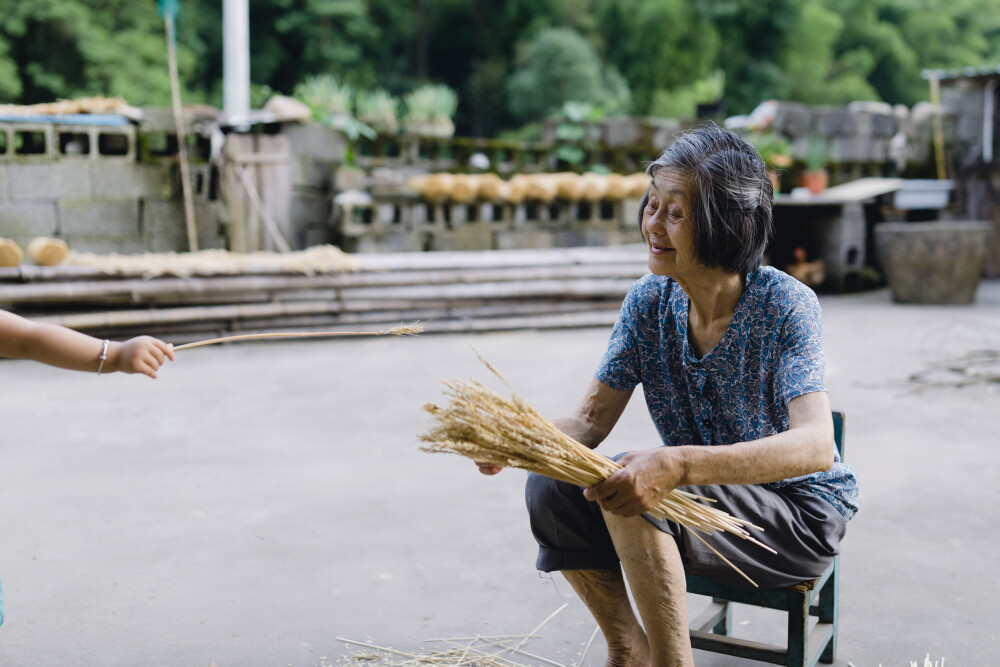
(654, 222)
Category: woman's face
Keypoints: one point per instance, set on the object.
(668, 228)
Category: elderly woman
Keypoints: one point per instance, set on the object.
(729, 356)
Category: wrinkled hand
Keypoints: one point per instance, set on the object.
(645, 478)
(143, 354)
(488, 468)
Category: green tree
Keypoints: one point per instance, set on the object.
(662, 51)
(557, 66)
(294, 38)
(51, 49)
(658, 45)
(751, 37)
(814, 75)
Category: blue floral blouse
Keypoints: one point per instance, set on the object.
(739, 391)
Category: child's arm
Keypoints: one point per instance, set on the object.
(64, 348)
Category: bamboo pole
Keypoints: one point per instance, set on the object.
(283, 311)
(386, 263)
(185, 332)
(503, 258)
(258, 204)
(412, 286)
(175, 96)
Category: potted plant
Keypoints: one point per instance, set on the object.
(576, 133)
(326, 96)
(429, 111)
(379, 110)
(816, 177)
(776, 151)
(330, 101)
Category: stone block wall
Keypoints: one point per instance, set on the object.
(415, 225)
(92, 187)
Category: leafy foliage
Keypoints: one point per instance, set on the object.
(53, 49)
(431, 103)
(572, 134)
(558, 65)
(775, 150)
(511, 62)
(325, 95)
(378, 109)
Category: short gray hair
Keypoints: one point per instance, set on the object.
(730, 195)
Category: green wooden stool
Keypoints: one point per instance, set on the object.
(711, 630)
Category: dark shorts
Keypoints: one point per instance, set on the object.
(803, 528)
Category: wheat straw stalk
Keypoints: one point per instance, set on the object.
(401, 330)
(482, 425)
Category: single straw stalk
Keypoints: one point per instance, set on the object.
(401, 330)
(484, 426)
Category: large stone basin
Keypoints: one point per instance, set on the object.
(933, 262)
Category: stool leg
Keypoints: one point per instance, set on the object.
(798, 629)
(725, 626)
(828, 603)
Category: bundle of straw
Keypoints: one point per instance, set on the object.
(45, 251)
(317, 259)
(10, 253)
(484, 426)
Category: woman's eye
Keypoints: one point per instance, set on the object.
(675, 212)
(652, 205)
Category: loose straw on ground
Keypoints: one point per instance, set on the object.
(484, 426)
(473, 651)
(401, 330)
(583, 655)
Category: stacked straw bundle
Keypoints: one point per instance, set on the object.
(45, 251)
(10, 253)
(484, 426)
(467, 188)
(84, 105)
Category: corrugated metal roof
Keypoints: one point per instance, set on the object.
(964, 73)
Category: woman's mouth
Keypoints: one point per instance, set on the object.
(657, 249)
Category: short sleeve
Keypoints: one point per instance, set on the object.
(801, 366)
(619, 369)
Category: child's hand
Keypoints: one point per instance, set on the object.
(142, 354)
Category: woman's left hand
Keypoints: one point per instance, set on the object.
(645, 478)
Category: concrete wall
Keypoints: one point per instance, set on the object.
(98, 202)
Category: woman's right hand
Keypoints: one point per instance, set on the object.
(488, 468)
(142, 354)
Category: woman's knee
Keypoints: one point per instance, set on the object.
(563, 520)
(541, 492)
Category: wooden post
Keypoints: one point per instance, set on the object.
(236, 204)
(274, 181)
(938, 131)
(175, 95)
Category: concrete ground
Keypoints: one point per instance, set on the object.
(260, 501)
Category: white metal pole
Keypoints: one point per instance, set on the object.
(236, 60)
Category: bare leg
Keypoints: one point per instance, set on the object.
(604, 593)
(655, 575)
